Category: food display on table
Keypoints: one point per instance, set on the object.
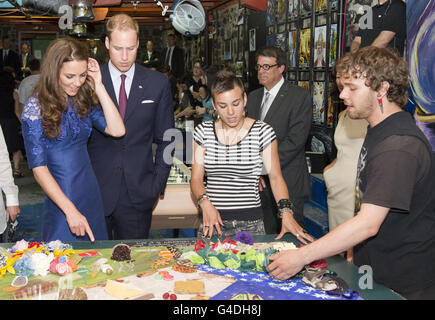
(160, 270)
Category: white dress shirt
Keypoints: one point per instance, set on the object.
(6, 183)
(115, 74)
(273, 92)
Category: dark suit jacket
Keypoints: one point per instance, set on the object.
(152, 61)
(177, 61)
(290, 116)
(30, 57)
(12, 60)
(149, 114)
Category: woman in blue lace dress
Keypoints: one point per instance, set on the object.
(57, 121)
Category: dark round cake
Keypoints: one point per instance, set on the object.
(121, 252)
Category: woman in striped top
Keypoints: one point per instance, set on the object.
(231, 153)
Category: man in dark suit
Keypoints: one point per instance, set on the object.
(130, 180)
(288, 109)
(9, 57)
(150, 58)
(173, 57)
(25, 58)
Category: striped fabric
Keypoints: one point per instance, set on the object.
(233, 171)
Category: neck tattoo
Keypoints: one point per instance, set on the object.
(233, 139)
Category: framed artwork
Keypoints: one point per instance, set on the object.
(271, 12)
(321, 20)
(304, 48)
(292, 38)
(319, 76)
(291, 75)
(304, 76)
(318, 96)
(280, 41)
(227, 50)
(304, 84)
(320, 47)
(306, 6)
(293, 9)
(333, 45)
(281, 10)
(252, 46)
(306, 23)
(320, 5)
(239, 69)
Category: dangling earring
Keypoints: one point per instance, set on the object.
(381, 105)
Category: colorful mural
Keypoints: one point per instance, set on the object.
(420, 48)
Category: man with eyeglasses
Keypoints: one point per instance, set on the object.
(288, 109)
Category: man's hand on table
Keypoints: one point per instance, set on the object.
(286, 264)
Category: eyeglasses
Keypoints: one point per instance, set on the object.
(264, 66)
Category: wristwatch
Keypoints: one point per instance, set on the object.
(198, 202)
(283, 206)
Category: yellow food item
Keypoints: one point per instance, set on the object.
(121, 290)
(189, 287)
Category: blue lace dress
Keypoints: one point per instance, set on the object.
(68, 161)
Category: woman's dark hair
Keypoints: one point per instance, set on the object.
(225, 80)
(51, 96)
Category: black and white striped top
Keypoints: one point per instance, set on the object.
(233, 171)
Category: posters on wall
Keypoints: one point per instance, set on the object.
(280, 41)
(281, 8)
(333, 45)
(318, 105)
(304, 48)
(293, 9)
(292, 38)
(320, 47)
(305, 6)
(320, 5)
(271, 12)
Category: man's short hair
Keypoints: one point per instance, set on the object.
(121, 22)
(274, 52)
(377, 65)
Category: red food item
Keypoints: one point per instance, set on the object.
(173, 296)
(199, 245)
(165, 295)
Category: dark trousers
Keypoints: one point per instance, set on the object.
(127, 221)
(272, 224)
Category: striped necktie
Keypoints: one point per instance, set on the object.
(263, 108)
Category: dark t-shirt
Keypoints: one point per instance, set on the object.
(391, 16)
(396, 173)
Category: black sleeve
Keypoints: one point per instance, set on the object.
(393, 170)
(395, 18)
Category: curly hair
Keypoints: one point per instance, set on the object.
(51, 96)
(377, 65)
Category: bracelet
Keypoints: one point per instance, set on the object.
(198, 202)
(283, 206)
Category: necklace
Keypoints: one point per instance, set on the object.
(235, 136)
